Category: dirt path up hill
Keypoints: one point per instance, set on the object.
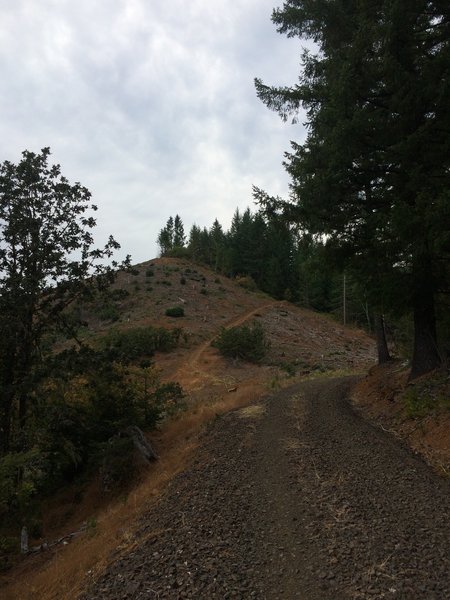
(293, 497)
(193, 373)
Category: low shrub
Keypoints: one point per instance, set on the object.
(175, 311)
(108, 312)
(247, 342)
(118, 294)
(418, 403)
(138, 343)
(289, 368)
(247, 282)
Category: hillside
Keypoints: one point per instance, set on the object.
(299, 338)
(303, 345)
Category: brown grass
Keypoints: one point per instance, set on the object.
(380, 395)
(252, 412)
(62, 574)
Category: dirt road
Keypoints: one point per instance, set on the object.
(293, 497)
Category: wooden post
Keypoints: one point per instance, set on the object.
(345, 300)
(24, 540)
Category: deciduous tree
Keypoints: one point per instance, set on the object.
(47, 261)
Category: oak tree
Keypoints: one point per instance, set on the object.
(47, 262)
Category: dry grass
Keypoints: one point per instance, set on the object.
(294, 444)
(62, 575)
(381, 396)
(252, 412)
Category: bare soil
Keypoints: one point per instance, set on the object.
(383, 397)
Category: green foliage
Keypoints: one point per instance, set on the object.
(171, 238)
(107, 306)
(8, 546)
(108, 312)
(175, 311)
(83, 402)
(47, 264)
(418, 404)
(179, 239)
(289, 368)
(91, 527)
(139, 342)
(247, 282)
(179, 252)
(372, 175)
(247, 342)
(167, 400)
(118, 294)
(149, 272)
(256, 248)
(21, 474)
(116, 458)
(428, 396)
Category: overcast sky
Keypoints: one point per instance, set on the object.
(150, 104)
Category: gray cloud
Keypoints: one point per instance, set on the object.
(150, 104)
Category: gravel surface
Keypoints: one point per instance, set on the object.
(294, 497)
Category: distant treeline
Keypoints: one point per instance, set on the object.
(267, 252)
(270, 254)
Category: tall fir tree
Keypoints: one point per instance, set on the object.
(179, 239)
(374, 171)
(166, 237)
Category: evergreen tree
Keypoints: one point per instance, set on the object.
(199, 245)
(166, 237)
(206, 247)
(194, 242)
(217, 238)
(179, 239)
(374, 171)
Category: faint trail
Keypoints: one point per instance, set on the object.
(191, 372)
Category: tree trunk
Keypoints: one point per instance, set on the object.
(141, 443)
(7, 398)
(25, 373)
(7, 402)
(382, 347)
(426, 354)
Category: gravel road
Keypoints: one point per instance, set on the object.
(294, 497)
